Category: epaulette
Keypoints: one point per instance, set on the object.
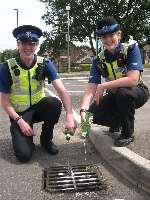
(40, 59)
(101, 55)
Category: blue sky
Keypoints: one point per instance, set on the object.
(30, 12)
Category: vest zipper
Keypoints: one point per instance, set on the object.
(113, 71)
(29, 88)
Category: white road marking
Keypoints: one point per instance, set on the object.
(118, 199)
(51, 93)
(146, 75)
(75, 78)
(77, 85)
(82, 80)
(67, 83)
(75, 114)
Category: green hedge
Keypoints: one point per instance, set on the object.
(85, 67)
(80, 67)
(147, 65)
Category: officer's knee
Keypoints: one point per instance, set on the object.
(53, 103)
(93, 107)
(123, 94)
(57, 103)
(23, 156)
(56, 107)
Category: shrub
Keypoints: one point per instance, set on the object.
(85, 67)
(147, 65)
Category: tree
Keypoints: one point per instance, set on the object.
(8, 53)
(54, 45)
(133, 15)
(1, 57)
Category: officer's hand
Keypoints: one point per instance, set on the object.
(82, 115)
(69, 123)
(25, 127)
(99, 94)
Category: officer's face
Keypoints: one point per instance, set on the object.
(27, 49)
(110, 41)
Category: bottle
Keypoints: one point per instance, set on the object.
(86, 125)
(68, 134)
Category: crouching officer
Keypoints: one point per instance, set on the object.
(121, 66)
(23, 97)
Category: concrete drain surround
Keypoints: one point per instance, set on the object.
(81, 178)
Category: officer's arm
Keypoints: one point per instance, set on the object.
(5, 89)
(7, 105)
(88, 95)
(63, 94)
(94, 80)
(130, 80)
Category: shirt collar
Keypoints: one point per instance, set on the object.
(22, 65)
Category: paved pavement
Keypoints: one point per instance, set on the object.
(141, 145)
(128, 164)
(24, 181)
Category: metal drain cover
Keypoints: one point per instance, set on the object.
(81, 178)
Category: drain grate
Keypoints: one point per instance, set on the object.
(82, 178)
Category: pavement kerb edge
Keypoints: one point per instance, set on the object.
(129, 165)
(73, 75)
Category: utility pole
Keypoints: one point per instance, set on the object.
(68, 38)
(17, 15)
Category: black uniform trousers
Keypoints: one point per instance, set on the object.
(118, 108)
(48, 110)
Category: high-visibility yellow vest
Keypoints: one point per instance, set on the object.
(113, 70)
(25, 90)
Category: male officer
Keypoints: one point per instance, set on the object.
(121, 66)
(23, 97)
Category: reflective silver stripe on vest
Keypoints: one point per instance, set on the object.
(20, 108)
(26, 92)
(12, 63)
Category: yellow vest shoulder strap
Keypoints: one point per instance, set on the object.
(40, 60)
(11, 62)
(101, 55)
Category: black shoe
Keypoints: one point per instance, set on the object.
(123, 140)
(50, 147)
(112, 129)
(114, 132)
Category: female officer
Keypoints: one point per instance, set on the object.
(121, 66)
(23, 98)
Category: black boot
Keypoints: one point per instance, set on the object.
(114, 131)
(115, 125)
(46, 139)
(126, 136)
(123, 140)
(49, 146)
